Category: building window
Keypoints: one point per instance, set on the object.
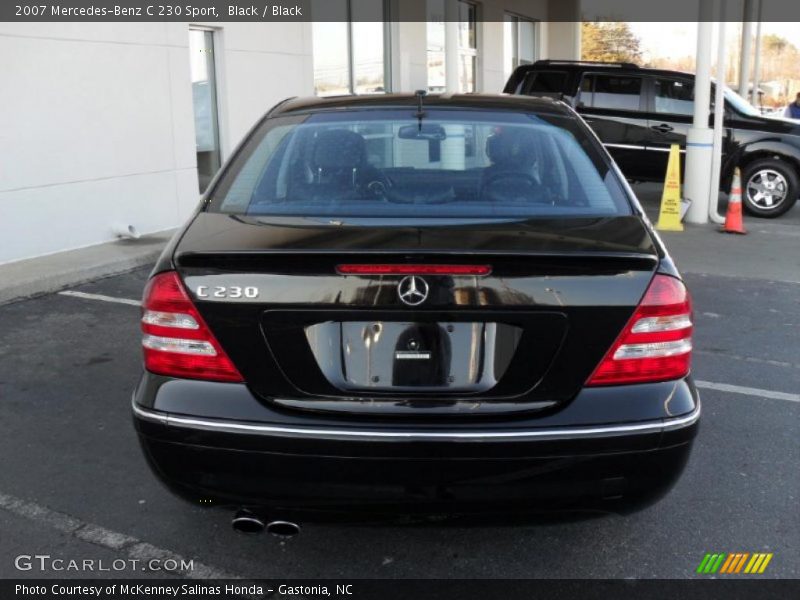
(204, 96)
(467, 15)
(351, 53)
(612, 92)
(467, 47)
(520, 42)
(437, 76)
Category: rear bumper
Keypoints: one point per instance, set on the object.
(300, 463)
(405, 435)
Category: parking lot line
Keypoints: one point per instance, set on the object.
(101, 297)
(753, 359)
(133, 547)
(748, 391)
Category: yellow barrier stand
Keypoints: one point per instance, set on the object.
(669, 216)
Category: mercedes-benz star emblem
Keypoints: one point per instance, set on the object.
(413, 290)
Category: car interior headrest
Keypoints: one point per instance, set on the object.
(511, 147)
(339, 149)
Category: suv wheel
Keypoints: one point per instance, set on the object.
(769, 188)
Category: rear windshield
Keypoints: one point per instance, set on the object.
(447, 164)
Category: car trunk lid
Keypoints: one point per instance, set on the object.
(525, 335)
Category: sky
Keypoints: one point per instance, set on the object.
(680, 39)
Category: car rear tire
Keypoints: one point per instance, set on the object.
(769, 188)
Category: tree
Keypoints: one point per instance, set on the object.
(774, 44)
(779, 72)
(611, 41)
(779, 58)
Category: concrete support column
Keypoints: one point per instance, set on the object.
(410, 60)
(754, 100)
(564, 40)
(747, 46)
(700, 138)
(409, 56)
(564, 29)
(719, 121)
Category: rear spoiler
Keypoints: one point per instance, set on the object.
(586, 63)
(560, 96)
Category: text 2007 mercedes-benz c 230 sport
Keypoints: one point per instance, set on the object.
(417, 304)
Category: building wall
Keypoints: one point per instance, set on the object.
(97, 125)
(259, 65)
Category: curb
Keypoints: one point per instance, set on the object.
(44, 275)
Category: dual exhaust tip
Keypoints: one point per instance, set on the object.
(246, 522)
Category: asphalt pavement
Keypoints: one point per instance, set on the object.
(74, 484)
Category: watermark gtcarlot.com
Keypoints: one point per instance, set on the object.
(47, 563)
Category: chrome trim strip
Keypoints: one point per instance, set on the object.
(625, 146)
(635, 147)
(663, 149)
(221, 426)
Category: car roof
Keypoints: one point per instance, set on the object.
(508, 102)
(610, 67)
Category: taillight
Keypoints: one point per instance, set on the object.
(176, 340)
(656, 344)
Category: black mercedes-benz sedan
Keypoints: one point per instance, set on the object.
(417, 304)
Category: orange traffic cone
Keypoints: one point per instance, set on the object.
(733, 216)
